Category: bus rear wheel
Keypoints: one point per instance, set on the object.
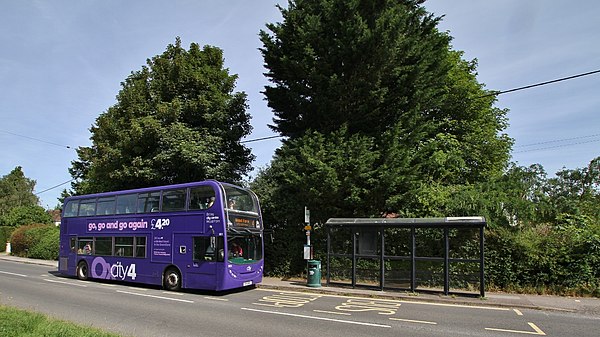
(172, 280)
(82, 271)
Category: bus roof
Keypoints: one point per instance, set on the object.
(211, 182)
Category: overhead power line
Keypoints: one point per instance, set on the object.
(496, 93)
(53, 187)
(559, 140)
(259, 139)
(557, 146)
(36, 139)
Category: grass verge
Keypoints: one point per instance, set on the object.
(21, 323)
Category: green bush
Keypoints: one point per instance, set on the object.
(47, 247)
(29, 239)
(546, 259)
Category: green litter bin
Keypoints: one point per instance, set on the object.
(314, 273)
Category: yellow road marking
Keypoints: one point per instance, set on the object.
(518, 312)
(538, 331)
(412, 321)
(332, 312)
(317, 318)
(392, 301)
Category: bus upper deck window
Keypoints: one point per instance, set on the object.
(106, 206)
(148, 202)
(201, 197)
(71, 208)
(87, 207)
(173, 200)
(126, 203)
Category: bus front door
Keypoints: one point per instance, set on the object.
(197, 259)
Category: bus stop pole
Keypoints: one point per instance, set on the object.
(481, 263)
(413, 260)
(382, 259)
(446, 261)
(328, 253)
(354, 235)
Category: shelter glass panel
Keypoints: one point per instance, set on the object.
(430, 274)
(398, 273)
(340, 269)
(430, 242)
(368, 271)
(464, 276)
(464, 243)
(398, 242)
(341, 240)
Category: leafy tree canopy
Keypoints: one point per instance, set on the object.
(26, 215)
(382, 72)
(16, 190)
(177, 119)
(353, 62)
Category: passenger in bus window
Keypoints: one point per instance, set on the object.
(231, 204)
(236, 250)
(87, 249)
(211, 201)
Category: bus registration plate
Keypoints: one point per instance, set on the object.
(247, 283)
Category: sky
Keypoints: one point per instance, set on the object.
(62, 62)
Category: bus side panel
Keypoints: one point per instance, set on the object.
(196, 274)
(162, 248)
(123, 269)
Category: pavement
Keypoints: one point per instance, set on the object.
(581, 305)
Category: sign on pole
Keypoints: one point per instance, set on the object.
(306, 215)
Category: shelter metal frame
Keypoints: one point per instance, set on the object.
(446, 224)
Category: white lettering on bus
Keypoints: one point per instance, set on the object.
(112, 272)
(121, 225)
(160, 223)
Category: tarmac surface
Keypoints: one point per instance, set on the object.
(579, 305)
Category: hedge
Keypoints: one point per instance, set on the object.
(37, 241)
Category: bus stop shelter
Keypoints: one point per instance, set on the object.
(429, 254)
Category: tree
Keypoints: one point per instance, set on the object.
(577, 191)
(382, 70)
(353, 62)
(380, 115)
(16, 190)
(177, 119)
(26, 215)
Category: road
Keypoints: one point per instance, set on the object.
(134, 310)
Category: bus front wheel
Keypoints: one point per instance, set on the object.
(172, 279)
(82, 271)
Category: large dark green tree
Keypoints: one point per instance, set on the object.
(379, 114)
(353, 62)
(382, 70)
(177, 119)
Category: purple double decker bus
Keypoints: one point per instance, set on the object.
(201, 235)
